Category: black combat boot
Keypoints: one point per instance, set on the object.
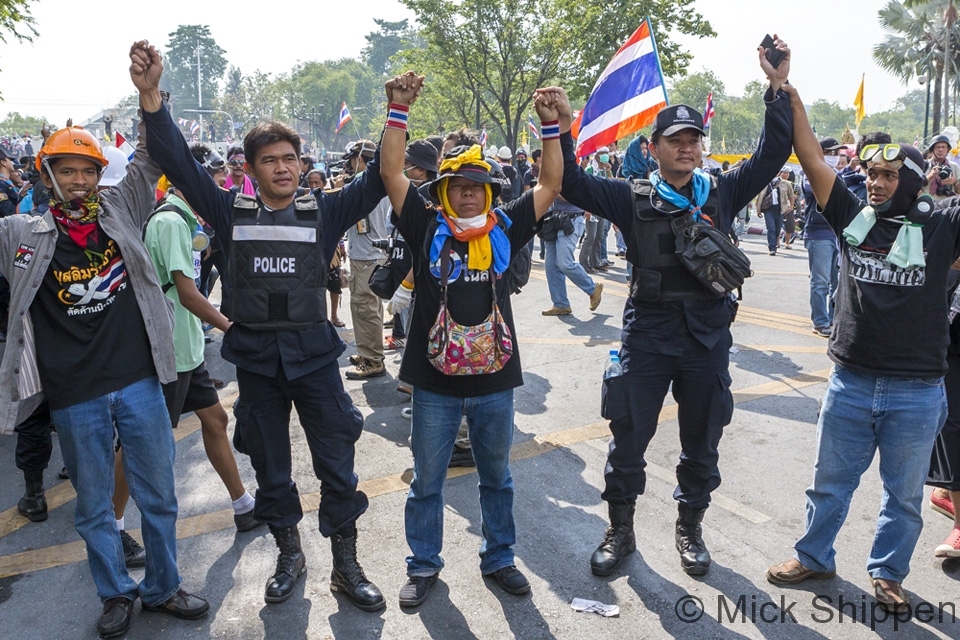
(291, 564)
(348, 578)
(618, 541)
(694, 557)
(33, 504)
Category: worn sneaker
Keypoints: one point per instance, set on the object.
(133, 554)
(942, 505)
(511, 580)
(415, 591)
(823, 332)
(595, 296)
(557, 311)
(367, 369)
(355, 359)
(951, 546)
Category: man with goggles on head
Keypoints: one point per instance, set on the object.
(889, 345)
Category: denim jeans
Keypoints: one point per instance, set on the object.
(621, 244)
(824, 273)
(861, 414)
(590, 249)
(604, 231)
(774, 222)
(560, 265)
(436, 419)
(86, 434)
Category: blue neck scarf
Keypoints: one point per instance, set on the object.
(701, 191)
(499, 243)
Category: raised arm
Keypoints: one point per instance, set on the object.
(807, 148)
(551, 163)
(402, 91)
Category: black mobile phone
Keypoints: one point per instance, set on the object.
(774, 55)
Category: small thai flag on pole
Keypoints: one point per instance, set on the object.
(194, 126)
(483, 138)
(533, 127)
(344, 117)
(708, 113)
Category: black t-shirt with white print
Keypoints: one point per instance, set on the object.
(890, 321)
(90, 335)
(469, 298)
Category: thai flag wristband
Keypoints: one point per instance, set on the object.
(397, 116)
(550, 130)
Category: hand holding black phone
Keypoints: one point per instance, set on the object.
(774, 56)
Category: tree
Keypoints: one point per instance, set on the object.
(16, 21)
(693, 90)
(384, 44)
(915, 45)
(17, 125)
(180, 75)
(489, 55)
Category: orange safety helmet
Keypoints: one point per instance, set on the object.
(72, 141)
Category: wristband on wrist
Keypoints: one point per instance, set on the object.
(397, 116)
(407, 285)
(549, 130)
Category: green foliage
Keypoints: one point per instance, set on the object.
(16, 21)
(16, 125)
(180, 68)
(904, 121)
(384, 43)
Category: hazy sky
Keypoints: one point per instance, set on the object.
(63, 74)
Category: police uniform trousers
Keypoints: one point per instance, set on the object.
(332, 425)
(632, 402)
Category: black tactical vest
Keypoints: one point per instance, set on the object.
(658, 275)
(277, 272)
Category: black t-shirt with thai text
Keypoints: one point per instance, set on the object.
(469, 298)
(890, 321)
(90, 335)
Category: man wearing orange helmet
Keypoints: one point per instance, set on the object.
(83, 282)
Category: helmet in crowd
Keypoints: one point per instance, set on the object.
(71, 141)
(116, 169)
(504, 153)
(938, 139)
(363, 148)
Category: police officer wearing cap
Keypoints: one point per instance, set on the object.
(279, 246)
(674, 330)
(9, 194)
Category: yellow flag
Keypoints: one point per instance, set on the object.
(523, 138)
(858, 103)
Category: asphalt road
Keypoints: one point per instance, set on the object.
(767, 456)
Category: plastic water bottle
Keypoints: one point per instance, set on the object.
(613, 365)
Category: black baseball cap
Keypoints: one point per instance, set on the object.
(830, 144)
(677, 118)
(4, 155)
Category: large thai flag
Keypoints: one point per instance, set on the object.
(344, 117)
(709, 112)
(626, 97)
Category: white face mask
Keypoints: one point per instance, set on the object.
(832, 160)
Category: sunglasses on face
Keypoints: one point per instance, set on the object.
(236, 163)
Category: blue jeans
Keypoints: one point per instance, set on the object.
(86, 433)
(824, 273)
(774, 222)
(560, 265)
(436, 419)
(861, 414)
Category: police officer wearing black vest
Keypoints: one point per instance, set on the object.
(279, 245)
(674, 330)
